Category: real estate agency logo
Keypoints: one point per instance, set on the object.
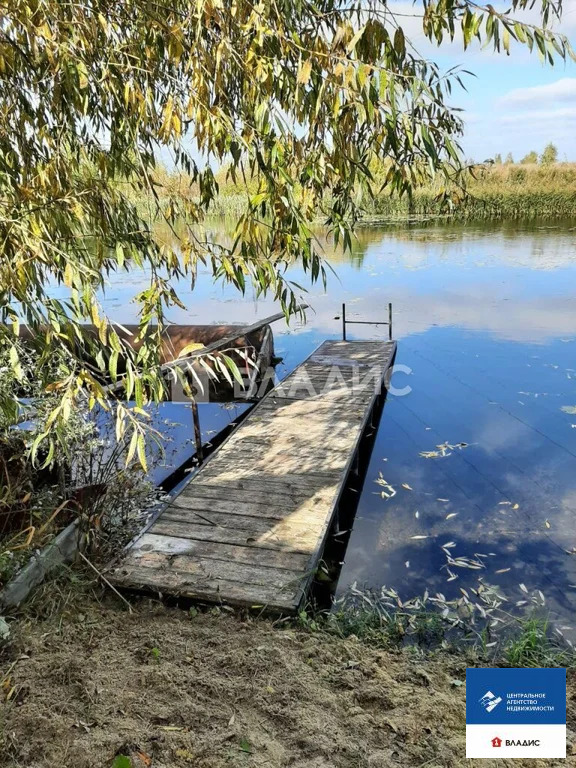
(490, 701)
(498, 742)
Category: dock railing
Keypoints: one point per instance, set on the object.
(346, 322)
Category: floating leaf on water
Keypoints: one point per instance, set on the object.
(451, 515)
(389, 491)
(444, 449)
(516, 506)
(429, 454)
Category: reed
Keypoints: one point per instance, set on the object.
(508, 191)
(500, 192)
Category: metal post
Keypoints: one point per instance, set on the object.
(390, 321)
(197, 432)
(343, 322)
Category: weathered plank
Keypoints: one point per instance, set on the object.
(249, 528)
(209, 550)
(288, 538)
(273, 509)
(172, 582)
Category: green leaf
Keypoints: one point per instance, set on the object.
(122, 761)
(245, 746)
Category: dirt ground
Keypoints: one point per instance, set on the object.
(168, 689)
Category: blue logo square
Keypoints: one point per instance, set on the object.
(515, 696)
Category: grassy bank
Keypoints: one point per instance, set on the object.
(511, 191)
(501, 192)
(86, 681)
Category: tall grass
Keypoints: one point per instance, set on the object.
(500, 192)
(509, 191)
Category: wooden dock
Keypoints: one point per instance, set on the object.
(249, 527)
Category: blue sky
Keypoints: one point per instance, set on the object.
(514, 103)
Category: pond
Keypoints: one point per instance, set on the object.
(485, 318)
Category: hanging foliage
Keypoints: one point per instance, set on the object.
(299, 98)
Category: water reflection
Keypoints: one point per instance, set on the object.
(486, 320)
(508, 495)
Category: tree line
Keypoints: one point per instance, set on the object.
(549, 156)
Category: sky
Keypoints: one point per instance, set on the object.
(513, 103)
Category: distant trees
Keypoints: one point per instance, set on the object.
(550, 155)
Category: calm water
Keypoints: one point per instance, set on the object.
(485, 318)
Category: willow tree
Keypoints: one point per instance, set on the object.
(299, 99)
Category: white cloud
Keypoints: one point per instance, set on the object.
(539, 115)
(561, 91)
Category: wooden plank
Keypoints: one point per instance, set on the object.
(209, 550)
(291, 539)
(272, 509)
(186, 585)
(284, 488)
(289, 463)
(254, 524)
(211, 571)
(251, 524)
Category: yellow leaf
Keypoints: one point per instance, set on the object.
(304, 72)
(68, 275)
(192, 347)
